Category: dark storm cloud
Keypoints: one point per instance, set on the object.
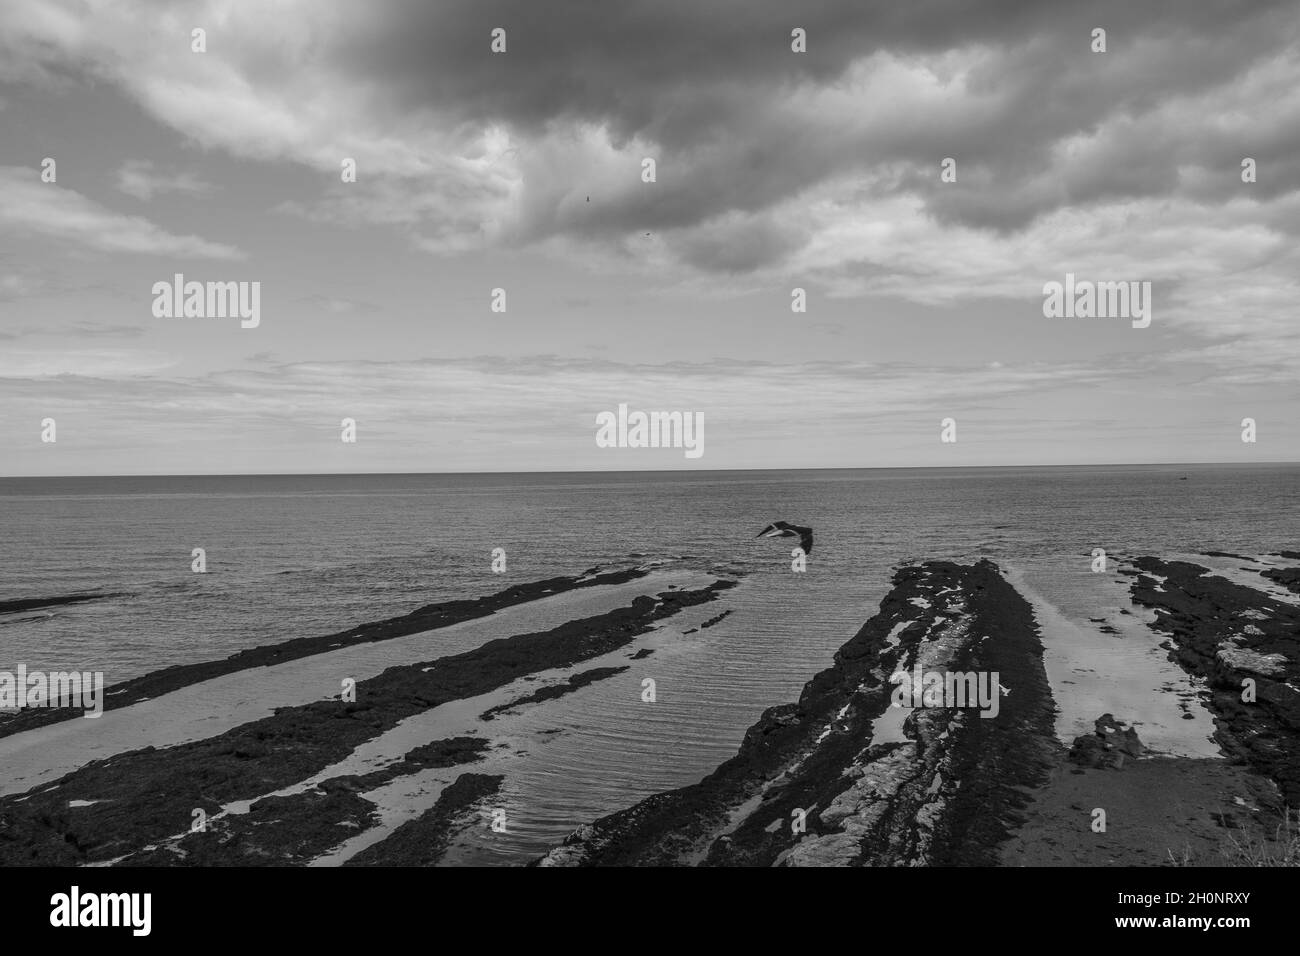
(711, 86)
(738, 247)
(645, 66)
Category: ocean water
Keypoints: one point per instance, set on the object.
(294, 555)
(299, 555)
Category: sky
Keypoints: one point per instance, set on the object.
(523, 170)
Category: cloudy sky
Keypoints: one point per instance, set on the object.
(523, 170)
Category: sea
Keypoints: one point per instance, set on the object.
(297, 555)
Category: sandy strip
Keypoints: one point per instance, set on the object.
(1126, 674)
(213, 707)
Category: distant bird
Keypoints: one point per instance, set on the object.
(784, 529)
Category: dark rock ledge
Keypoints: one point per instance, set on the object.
(1289, 578)
(32, 604)
(427, 618)
(948, 793)
(1227, 633)
(144, 798)
(424, 840)
(574, 683)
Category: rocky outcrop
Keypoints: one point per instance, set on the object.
(1108, 746)
(1246, 645)
(1289, 578)
(574, 683)
(842, 777)
(427, 618)
(33, 604)
(116, 807)
(424, 840)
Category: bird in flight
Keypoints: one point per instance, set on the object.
(783, 529)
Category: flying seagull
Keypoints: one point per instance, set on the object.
(784, 529)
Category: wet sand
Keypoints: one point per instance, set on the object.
(1093, 671)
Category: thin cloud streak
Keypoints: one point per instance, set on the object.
(31, 206)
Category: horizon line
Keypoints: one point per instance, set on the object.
(635, 471)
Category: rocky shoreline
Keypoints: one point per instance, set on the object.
(1230, 635)
(831, 780)
(817, 783)
(132, 803)
(428, 618)
(844, 776)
